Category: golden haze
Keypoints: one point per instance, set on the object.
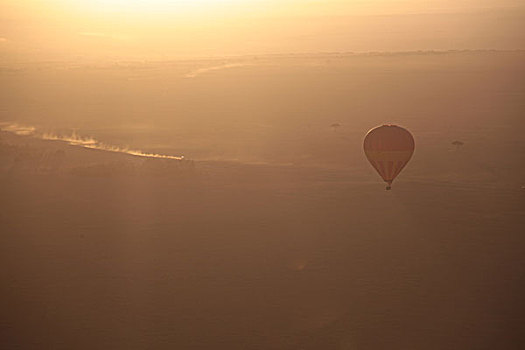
(162, 29)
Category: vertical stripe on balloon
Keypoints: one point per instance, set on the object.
(390, 168)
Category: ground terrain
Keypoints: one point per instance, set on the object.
(274, 232)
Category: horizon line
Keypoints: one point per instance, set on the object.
(262, 55)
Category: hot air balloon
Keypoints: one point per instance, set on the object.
(389, 148)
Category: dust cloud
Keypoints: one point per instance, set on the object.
(75, 140)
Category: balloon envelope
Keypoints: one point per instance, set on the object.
(389, 148)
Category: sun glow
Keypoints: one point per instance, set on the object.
(167, 29)
(161, 6)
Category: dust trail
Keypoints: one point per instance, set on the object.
(75, 140)
(200, 71)
(18, 129)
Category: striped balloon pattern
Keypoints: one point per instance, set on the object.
(389, 148)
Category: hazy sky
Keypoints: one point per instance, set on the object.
(157, 29)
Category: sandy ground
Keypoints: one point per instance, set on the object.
(280, 239)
